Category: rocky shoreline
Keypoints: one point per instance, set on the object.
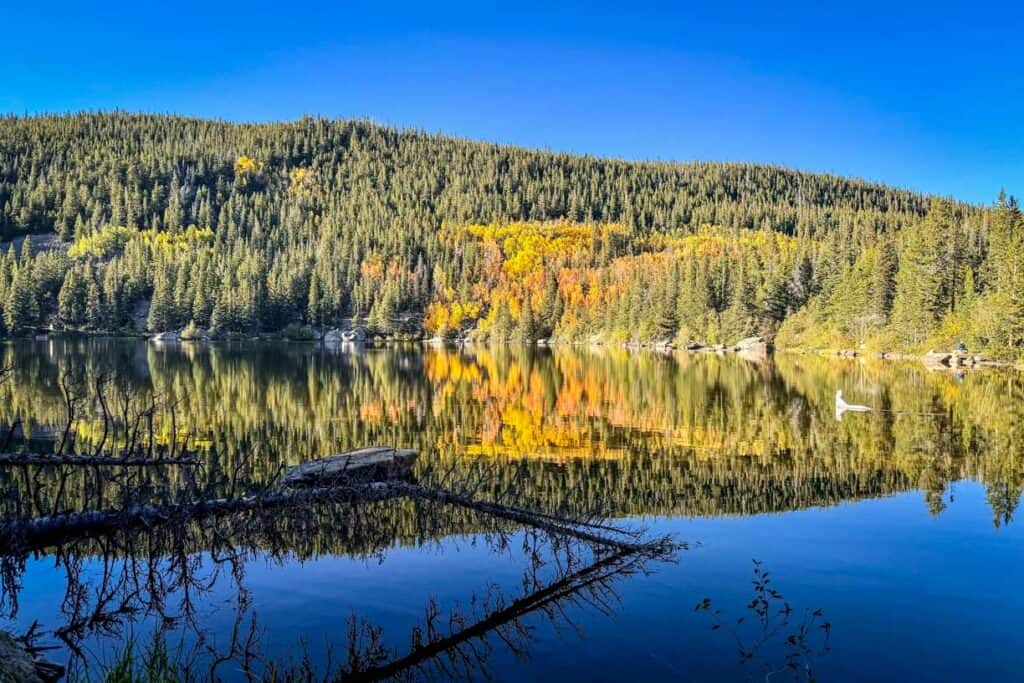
(933, 360)
(756, 347)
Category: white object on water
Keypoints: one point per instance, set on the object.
(844, 407)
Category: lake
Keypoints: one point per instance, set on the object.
(890, 535)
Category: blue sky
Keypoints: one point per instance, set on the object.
(920, 96)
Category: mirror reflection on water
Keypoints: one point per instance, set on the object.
(876, 546)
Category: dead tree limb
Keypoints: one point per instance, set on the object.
(602, 570)
(41, 532)
(515, 514)
(56, 460)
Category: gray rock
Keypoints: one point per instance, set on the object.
(199, 335)
(354, 335)
(934, 359)
(16, 665)
(333, 337)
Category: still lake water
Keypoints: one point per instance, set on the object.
(898, 525)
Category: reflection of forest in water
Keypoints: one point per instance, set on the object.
(638, 433)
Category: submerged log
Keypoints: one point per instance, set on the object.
(34, 534)
(376, 463)
(364, 475)
(52, 530)
(523, 516)
(42, 460)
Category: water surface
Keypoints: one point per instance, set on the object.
(898, 525)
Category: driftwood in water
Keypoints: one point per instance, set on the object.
(54, 460)
(516, 514)
(376, 463)
(42, 532)
(365, 475)
(52, 530)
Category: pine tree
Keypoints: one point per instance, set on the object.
(551, 306)
(69, 300)
(883, 280)
(94, 309)
(526, 327)
(161, 307)
(21, 310)
(502, 326)
(314, 305)
(919, 297)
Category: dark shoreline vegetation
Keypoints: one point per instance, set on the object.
(128, 223)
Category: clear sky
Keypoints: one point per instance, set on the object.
(926, 97)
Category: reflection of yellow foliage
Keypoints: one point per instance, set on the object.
(702, 431)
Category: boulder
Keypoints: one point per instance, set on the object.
(16, 664)
(165, 338)
(197, 334)
(749, 342)
(333, 337)
(353, 336)
(935, 359)
(754, 346)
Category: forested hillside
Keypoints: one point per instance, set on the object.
(246, 228)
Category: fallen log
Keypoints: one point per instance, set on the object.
(52, 530)
(364, 475)
(44, 460)
(516, 514)
(376, 463)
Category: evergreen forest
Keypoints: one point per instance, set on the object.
(127, 223)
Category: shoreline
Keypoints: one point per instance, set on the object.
(753, 348)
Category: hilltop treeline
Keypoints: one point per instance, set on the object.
(257, 227)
